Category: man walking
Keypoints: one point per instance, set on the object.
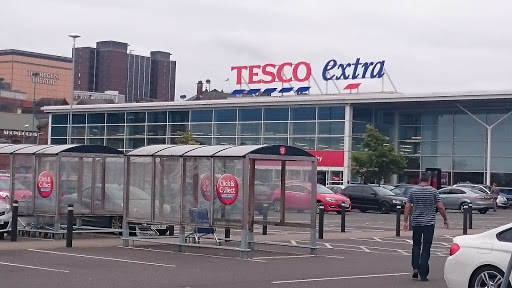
(495, 192)
(424, 200)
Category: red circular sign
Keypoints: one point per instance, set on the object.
(282, 150)
(45, 184)
(227, 189)
(206, 187)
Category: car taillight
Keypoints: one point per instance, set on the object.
(454, 249)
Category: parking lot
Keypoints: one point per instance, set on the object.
(367, 255)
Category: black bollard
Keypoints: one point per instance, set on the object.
(465, 220)
(470, 216)
(321, 222)
(227, 234)
(343, 217)
(265, 217)
(69, 227)
(171, 230)
(14, 221)
(398, 215)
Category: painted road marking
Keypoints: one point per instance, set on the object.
(101, 258)
(327, 245)
(284, 257)
(187, 253)
(33, 267)
(339, 278)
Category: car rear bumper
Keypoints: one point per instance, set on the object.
(454, 276)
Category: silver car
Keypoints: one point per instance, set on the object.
(502, 201)
(5, 218)
(456, 197)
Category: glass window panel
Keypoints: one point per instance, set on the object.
(59, 119)
(470, 132)
(501, 164)
(58, 141)
(249, 114)
(472, 177)
(469, 148)
(331, 113)
(358, 128)
(95, 141)
(117, 143)
(135, 117)
(438, 119)
(79, 141)
(157, 130)
(134, 143)
(330, 143)
(224, 129)
(277, 129)
(157, 117)
(249, 129)
(363, 114)
(444, 132)
(155, 140)
(175, 129)
(201, 129)
(96, 118)
(78, 131)
(79, 119)
(385, 130)
(331, 128)
(413, 163)
(357, 143)
(275, 140)
(225, 115)
(116, 118)
(178, 116)
(462, 163)
(60, 131)
(249, 141)
(405, 118)
(204, 140)
(442, 162)
(224, 140)
(306, 143)
(499, 148)
(409, 133)
(96, 131)
(436, 148)
(465, 120)
(115, 130)
(303, 128)
(302, 113)
(387, 118)
(503, 180)
(409, 148)
(201, 116)
(502, 130)
(275, 114)
(135, 130)
(410, 177)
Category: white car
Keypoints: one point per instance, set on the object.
(479, 260)
(5, 218)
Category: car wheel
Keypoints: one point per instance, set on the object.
(363, 210)
(483, 211)
(487, 276)
(384, 207)
(2, 235)
(116, 222)
(318, 205)
(276, 205)
(162, 232)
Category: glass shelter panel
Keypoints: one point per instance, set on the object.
(139, 189)
(167, 189)
(228, 191)
(46, 205)
(24, 168)
(198, 190)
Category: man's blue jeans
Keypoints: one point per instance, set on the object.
(421, 253)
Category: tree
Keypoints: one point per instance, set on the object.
(187, 138)
(378, 160)
(2, 84)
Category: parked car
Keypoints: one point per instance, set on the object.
(298, 197)
(336, 188)
(403, 189)
(262, 195)
(20, 191)
(5, 218)
(367, 197)
(456, 197)
(479, 260)
(503, 200)
(385, 186)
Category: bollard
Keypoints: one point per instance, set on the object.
(227, 234)
(14, 221)
(343, 217)
(171, 230)
(398, 215)
(465, 220)
(470, 216)
(69, 227)
(321, 222)
(265, 217)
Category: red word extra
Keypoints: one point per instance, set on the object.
(270, 73)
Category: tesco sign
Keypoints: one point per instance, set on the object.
(270, 73)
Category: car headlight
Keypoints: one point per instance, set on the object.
(330, 200)
(501, 198)
(397, 202)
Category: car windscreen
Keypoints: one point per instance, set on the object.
(398, 190)
(323, 190)
(383, 191)
(4, 185)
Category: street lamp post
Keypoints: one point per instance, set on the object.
(24, 132)
(34, 79)
(73, 36)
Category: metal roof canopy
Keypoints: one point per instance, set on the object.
(86, 149)
(32, 149)
(13, 148)
(149, 150)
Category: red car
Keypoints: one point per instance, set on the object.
(20, 191)
(298, 197)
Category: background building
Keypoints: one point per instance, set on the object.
(55, 74)
(110, 66)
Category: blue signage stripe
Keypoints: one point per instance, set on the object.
(302, 90)
(269, 91)
(238, 92)
(286, 90)
(253, 91)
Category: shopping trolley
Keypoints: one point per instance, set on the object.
(200, 216)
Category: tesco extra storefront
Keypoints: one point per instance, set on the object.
(466, 134)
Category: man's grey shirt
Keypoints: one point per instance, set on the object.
(424, 201)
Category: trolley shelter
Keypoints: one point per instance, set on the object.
(217, 187)
(45, 179)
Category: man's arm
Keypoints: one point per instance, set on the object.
(442, 211)
(407, 211)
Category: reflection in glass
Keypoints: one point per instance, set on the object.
(442, 162)
(330, 143)
(406, 118)
(157, 130)
(135, 130)
(249, 129)
(77, 140)
(413, 163)
(117, 143)
(469, 148)
(275, 114)
(134, 143)
(472, 177)
(96, 141)
(359, 128)
(306, 143)
(331, 113)
(116, 118)
(224, 141)
(249, 141)
(201, 129)
(77, 131)
(277, 128)
(60, 131)
(178, 117)
(409, 148)
(157, 117)
(115, 130)
(204, 140)
(437, 133)
(58, 141)
(331, 128)
(79, 119)
(249, 114)
(201, 115)
(135, 117)
(95, 118)
(175, 129)
(225, 115)
(499, 148)
(461, 163)
(59, 119)
(225, 129)
(96, 131)
(438, 119)
(436, 148)
(409, 133)
(470, 132)
(302, 113)
(303, 128)
(275, 140)
(363, 114)
(155, 140)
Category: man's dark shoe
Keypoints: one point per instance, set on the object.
(415, 274)
(424, 279)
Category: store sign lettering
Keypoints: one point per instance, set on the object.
(19, 133)
(44, 78)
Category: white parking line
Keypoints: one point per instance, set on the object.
(339, 278)
(283, 257)
(34, 267)
(102, 258)
(327, 245)
(187, 253)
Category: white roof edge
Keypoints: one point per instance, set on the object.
(344, 98)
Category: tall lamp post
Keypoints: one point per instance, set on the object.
(35, 75)
(25, 132)
(73, 36)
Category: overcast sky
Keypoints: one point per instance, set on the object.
(428, 46)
